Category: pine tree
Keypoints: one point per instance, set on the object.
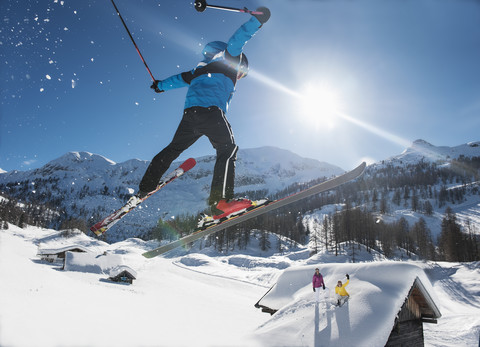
(423, 239)
(451, 241)
(264, 242)
(428, 208)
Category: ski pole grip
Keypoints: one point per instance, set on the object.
(200, 5)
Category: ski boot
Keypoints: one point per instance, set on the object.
(225, 210)
(230, 208)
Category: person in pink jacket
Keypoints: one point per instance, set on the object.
(317, 283)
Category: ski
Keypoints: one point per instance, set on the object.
(266, 207)
(106, 223)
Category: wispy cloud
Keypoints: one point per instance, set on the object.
(29, 162)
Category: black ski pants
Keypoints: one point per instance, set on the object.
(196, 122)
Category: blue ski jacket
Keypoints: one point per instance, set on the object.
(212, 81)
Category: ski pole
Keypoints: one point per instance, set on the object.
(201, 5)
(136, 47)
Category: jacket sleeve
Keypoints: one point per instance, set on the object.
(242, 35)
(175, 81)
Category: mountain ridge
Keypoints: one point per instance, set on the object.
(422, 150)
(90, 186)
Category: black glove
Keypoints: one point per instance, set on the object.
(348, 277)
(324, 287)
(262, 18)
(313, 288)
(154, 86)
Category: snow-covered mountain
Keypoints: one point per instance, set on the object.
(90, 186)
(422, 150)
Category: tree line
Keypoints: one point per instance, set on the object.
(421, 188)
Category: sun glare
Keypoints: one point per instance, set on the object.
(320, 105)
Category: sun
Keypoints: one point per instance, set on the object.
(320, 104)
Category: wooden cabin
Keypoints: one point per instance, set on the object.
(398, 304)
(123, 274)
(418, 308)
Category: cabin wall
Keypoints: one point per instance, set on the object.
(408, 333)
(408, 329)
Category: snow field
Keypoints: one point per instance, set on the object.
(204, 298)
(167, 306)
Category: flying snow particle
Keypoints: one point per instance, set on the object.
(41, 90)
(48, 77)
(73, 84)
(50, 61)
(66, 29)
(92, 59)
(136, 103)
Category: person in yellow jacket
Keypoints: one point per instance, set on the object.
(341, 293)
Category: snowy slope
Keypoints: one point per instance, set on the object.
(166, 306)
(206, 299)
(467, 211)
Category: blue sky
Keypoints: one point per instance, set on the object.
(338, 81)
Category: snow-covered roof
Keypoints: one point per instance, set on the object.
(46, 251)
(119, 269)
(377, 292)
(90, 262)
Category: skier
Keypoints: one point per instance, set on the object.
(341, 293)
(211, 85)
(317, 282)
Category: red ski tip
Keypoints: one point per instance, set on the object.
(188, 164)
